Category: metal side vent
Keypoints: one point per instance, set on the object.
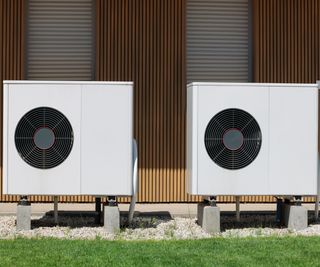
(44, 137)
(233, 139)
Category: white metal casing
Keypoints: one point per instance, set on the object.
(100, 162)
(288, 118)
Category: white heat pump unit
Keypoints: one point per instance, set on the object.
(252, 139)
(67, 138)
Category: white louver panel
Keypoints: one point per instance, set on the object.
(60, 40)
(217, 40)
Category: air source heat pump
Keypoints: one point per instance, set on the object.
(252, 139)
(67, 138)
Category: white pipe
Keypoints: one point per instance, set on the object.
(55, 209)
(135, 181)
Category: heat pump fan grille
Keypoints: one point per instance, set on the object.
(233, 139)
(44, 137)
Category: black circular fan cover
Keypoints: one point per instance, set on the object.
(233, 139)
(44, 137)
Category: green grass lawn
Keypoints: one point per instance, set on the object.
(288, 251)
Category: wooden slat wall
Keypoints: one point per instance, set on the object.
(286, 41)
(144, 41)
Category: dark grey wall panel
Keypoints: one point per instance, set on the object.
(217, 40)
(60, 39)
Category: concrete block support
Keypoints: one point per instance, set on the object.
(209, 218)
(23, 217)
(111, 218)
(295, 217)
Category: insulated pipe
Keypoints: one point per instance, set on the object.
(135, 181)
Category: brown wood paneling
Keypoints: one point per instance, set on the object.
(286, 38)
(144, 41)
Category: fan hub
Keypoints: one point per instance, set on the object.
(44, 138)
(233, 139)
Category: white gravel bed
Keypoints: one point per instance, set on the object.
(146, 228)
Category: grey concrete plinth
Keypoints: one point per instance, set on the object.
(295, 217)
(209, 218)
(23, 217)
(111, 219)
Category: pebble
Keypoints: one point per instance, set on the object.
(150, 228)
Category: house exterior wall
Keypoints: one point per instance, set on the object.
(145, 41)
(286, 41)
